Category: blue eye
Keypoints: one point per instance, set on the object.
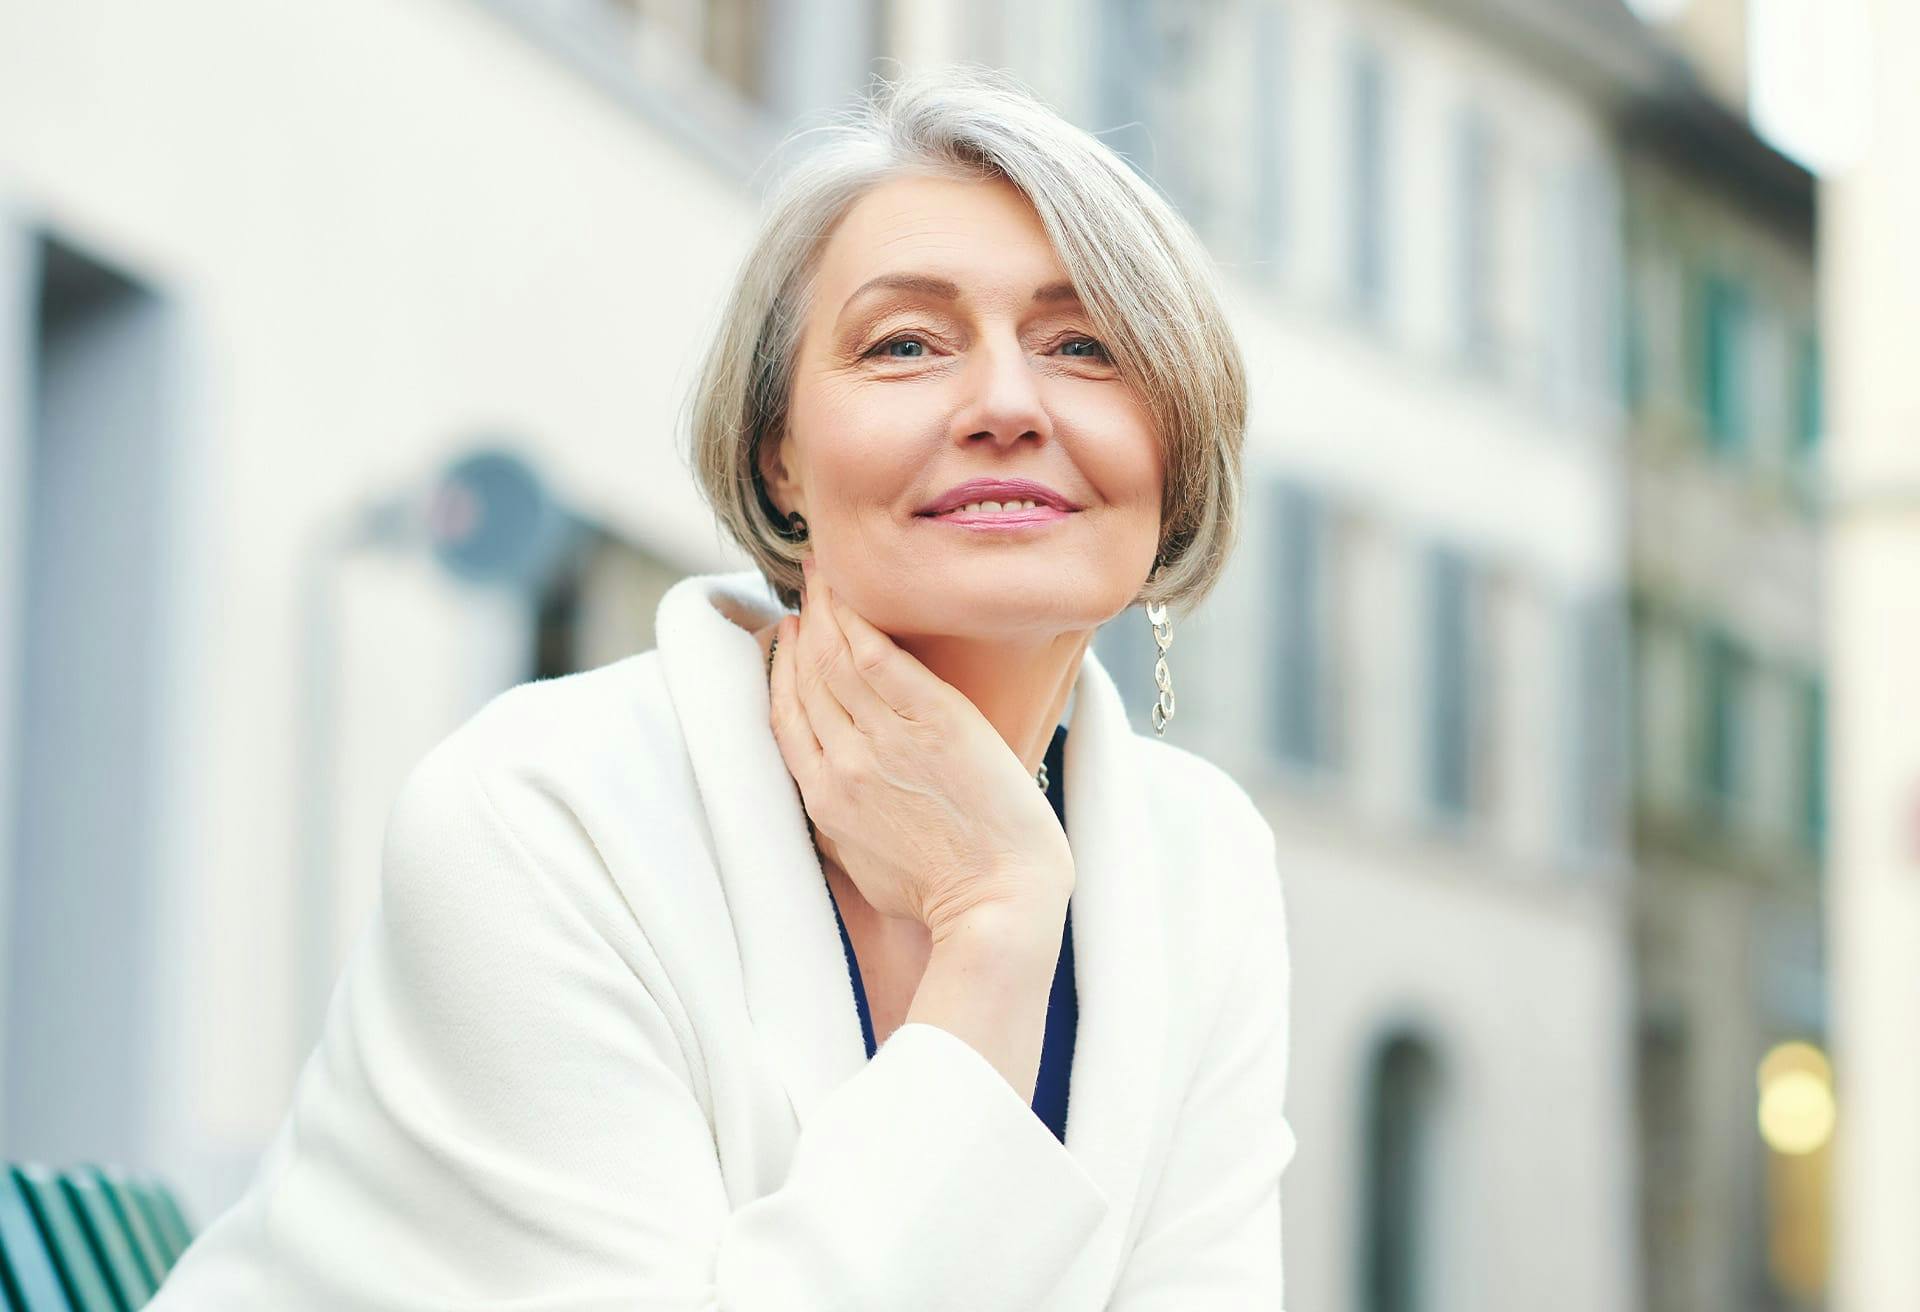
(882, 348)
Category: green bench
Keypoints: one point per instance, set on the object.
(85, 1240)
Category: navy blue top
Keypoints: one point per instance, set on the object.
(1063, 1008)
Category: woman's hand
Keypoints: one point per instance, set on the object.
(911, 790)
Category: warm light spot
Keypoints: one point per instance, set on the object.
(1797, 1109)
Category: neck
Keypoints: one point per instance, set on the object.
(1020, 687)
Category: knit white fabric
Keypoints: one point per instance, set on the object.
(597, 1048)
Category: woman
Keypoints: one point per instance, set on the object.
(748, 972)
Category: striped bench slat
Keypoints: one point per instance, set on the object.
(31, 1279)
(73, 1254)
(112, 1245)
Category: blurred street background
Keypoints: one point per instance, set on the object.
(1572, 646)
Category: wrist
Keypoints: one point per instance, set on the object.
(1006, 928)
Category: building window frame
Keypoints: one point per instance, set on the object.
(1453, 632)
(1723, 675)
(1476, 235)
(1403, 1121)
(1304, 634)
(1725, 329)
(1369, 125)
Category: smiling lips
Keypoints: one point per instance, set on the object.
(1001, 515)
(1005, 493)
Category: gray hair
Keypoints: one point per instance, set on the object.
(1144, 277)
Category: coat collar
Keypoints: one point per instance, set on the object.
(797, 988)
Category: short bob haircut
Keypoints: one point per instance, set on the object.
(1142, 274)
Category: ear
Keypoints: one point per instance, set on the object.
(783, 489)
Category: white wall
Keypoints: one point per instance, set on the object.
(1871, 319)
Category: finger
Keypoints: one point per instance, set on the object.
(791, 729)
(832, 725)
(895, 674)
(844, 676)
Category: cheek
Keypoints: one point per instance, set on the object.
(860, 445)
(1123, 455)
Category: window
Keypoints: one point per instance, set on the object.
(1270, 127)
(1475, 240)
(1809, 404)
(1632, 343)
(1722, 676)
(1723, 363)
(1301, 614)
(1595, 278)
(1367, 198)
(1670, 1149)
(1813, 764)
(725, 37)
(1452, 703)
(1399, 1176)
(106, 454)
(1596, 724)
(1127, 70)
(1173, 49)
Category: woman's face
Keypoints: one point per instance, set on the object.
(969, 358)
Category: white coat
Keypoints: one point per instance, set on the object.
(597, 1049)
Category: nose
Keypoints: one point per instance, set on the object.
(1004, 401)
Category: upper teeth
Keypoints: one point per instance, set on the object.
(994, 505)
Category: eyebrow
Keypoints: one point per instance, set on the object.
(944, 289)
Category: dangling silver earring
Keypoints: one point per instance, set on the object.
(1163, 638)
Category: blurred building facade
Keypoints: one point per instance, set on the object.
(1724, 377)
(288, 271)
(1416, 662)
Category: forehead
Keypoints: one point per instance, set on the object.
(983, 235)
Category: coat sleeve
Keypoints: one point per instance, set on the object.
(1211, 1238)
(501, 1115)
